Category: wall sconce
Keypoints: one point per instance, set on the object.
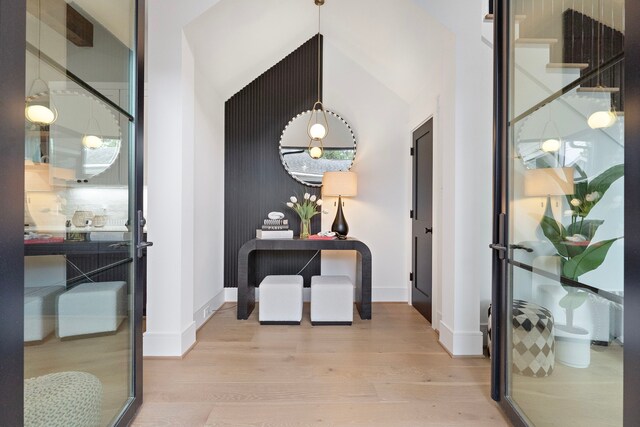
(341, 184)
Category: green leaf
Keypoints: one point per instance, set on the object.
(573, 299)
(589, 260)
(602, 182)
(555, 232)
(587, 228)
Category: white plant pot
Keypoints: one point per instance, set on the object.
(573, 346)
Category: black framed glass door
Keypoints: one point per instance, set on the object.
(565, 203)
(72, 284)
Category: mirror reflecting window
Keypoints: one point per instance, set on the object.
(339, 149)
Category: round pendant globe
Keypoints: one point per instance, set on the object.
(92, 141)
(39, 114)
(315, 152)
(602, 119)
(551, 145)
(317, 131)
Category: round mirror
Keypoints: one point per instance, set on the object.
(86, 138)
(338, 149)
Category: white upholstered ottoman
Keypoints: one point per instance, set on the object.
(92, 308)
(331, 300)
(280, 300)
(40, 311)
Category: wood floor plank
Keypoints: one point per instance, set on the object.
(389, 371)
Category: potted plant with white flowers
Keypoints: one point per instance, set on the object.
(306, 209)
(575, 245)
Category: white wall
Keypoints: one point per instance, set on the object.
(466, 177)
(378, 215)
(170, 290)
(208, 201)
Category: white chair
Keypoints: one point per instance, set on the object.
(280, 300)
(331, 300)
(40, 311)
(92, 308)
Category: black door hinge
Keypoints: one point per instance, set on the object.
(411, 214)
(411, 151)
(411, 277)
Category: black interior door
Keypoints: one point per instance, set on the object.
(422, 215)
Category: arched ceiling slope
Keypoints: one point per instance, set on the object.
(397, 42)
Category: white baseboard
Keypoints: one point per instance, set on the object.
(209, 308)
(159, 344)
(378, 295)
(461, 343)
(389, 295)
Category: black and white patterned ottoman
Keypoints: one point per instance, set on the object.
(533, 352)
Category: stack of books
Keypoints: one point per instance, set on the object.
(275, 229)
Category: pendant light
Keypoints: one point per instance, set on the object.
(601, 119)
(38, 108)
(91, 140)
(318, 126)
(554, 142)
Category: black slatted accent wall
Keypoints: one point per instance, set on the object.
(256, 183)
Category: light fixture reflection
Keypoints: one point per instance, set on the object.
(91, 141)
(551, 145)
(39, 114)
(602, 119)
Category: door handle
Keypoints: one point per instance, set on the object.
(524, 248)
(142, 245)
(498, 247)
(428, 230)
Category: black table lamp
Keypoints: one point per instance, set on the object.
(341, 184)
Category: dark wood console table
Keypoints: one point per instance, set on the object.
(246, 280)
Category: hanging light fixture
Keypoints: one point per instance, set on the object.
(38, 108)
(318, 126)
(91, 140)
(552, 144)
(601, 119)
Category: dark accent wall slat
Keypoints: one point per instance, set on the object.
(256, 183)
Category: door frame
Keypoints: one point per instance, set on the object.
(12, 86)
(12, 83)
(500, 288)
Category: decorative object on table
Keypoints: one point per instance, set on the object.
(575, 247)
(306, 209)
(100, 220)
(318, 125)
(275, 224)
(82, 218)
(274, 234)
(275, 215)
(341, 184)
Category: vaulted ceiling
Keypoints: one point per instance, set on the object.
(397, 42)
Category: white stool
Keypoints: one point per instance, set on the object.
(280, 300)
(40, 311)
(331, 300)
(92, 308)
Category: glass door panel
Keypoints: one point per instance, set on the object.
(566, 212)
(79, 209)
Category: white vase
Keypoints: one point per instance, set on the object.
(573, 346)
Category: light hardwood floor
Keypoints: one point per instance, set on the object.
(389, 371)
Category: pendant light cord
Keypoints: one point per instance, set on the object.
(319, 58)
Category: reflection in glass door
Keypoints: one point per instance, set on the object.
(565, 339)
(80, 209)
